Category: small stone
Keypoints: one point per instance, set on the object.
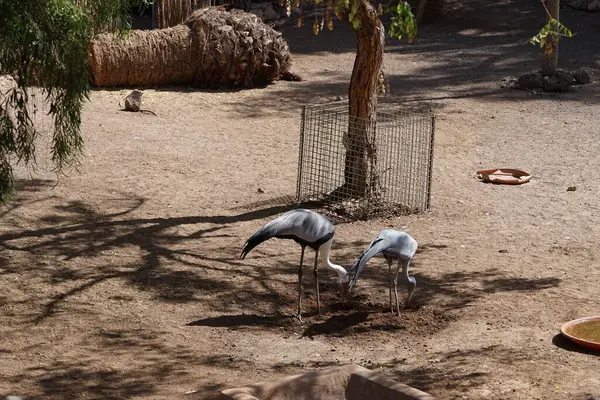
(133, 101)
(260, 190)
(571, 188)
(503, 251)
(583, 75)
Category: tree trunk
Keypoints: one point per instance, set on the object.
(361, 154)
(551, 50)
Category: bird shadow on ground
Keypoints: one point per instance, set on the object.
(336, 324)
(241, 320)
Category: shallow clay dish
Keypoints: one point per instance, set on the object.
(507, 176)
(583, 331)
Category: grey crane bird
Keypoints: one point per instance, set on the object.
(307, 228)
(394, 245)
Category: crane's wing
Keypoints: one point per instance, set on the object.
(302, 224)
(270, 230)
(379, 245)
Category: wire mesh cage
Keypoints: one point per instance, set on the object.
(383, 165)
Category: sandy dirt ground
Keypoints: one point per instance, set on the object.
(123, 278)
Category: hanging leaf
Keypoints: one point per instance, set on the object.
(353, 16)
(288, 8)
(403, 22)
(316, 27)
(300, 21)
(550, 34)
(280, 3)
(330, 24)
(342, 6)
(297, 3)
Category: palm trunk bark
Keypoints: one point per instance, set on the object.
(361, 155)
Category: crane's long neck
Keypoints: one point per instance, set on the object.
(341, 271)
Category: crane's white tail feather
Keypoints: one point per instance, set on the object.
(377, 246)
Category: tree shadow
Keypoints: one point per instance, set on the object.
(468, 54)
(450, 371)
(152, 364)
(74, 231)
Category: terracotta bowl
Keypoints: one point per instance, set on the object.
(578, 331)
(506, 176)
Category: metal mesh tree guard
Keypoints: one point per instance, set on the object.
(395, 167)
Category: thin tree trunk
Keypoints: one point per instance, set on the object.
(551, 53)
(361, 155)
(420, 11)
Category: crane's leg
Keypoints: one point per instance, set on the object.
(300, 286)
(316, 274)
(411, 282)
(390, 261)
(396, 287)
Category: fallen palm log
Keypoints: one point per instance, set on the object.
(213, 48)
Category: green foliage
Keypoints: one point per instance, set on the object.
(45, 44)
(403, 22)
(550, 34)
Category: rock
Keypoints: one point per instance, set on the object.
(564, 76)
(587, 5)
(260, 190)
(583, 75)
(530, 81)
(557, 83)
(133, 101)
(571, 188)
(510, 82)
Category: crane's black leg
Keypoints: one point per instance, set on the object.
(316, 274)
(300, 286)
(390, 261)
